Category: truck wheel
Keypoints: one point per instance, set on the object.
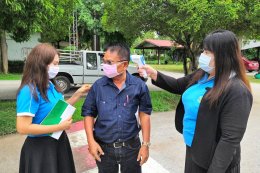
(64, 83)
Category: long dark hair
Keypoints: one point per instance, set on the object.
(224, 45)
(35, 72)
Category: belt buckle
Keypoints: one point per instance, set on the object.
(118, 144)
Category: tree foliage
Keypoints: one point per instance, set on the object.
(185, 21)
(89, 14)
(60, 20)
(20, 18)
(89, 22)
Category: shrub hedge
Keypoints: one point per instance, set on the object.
(15, 66)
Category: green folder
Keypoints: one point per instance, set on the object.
(60, 112)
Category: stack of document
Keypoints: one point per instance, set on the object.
(60, 112)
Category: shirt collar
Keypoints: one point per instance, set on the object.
(204, 79)
(232, 74)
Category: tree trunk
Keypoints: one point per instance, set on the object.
(4, 52)
(184, 57)
(1, 65)
(96, 42)
(193, 61)
(58, 44)
(159, 57)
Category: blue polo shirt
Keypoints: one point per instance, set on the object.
(115, 109)
(27, 105)
(191, 99)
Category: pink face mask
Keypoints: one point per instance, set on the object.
(110, 70)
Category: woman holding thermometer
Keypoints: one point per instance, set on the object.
(215, 104)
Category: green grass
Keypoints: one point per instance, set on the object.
(10, 76)
(253, 79)
(168, 67)
(7, 117)
(77, 115)
(161, 100)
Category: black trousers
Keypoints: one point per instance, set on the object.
(125, 156)
(192, 167)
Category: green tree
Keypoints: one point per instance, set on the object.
(20, 18)
(57, 28)
(185, 21)
(89, 25)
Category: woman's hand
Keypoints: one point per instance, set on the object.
(151, 72)
(83, 89)
(65, 125)
(80, 92)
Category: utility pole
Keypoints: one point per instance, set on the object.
(73, 36)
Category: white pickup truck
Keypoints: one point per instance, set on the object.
(80, 67)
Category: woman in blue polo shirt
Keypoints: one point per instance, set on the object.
(214, 108)
(37, 95)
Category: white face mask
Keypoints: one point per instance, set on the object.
(53, 71)
(204, 61)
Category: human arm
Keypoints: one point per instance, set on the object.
(24, 125)
(94, 148)
(233, 122)
(143, 154)
(89, 112)
(145, 110)
(80, 92)
(171, 84)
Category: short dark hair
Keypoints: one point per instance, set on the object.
(121, 48)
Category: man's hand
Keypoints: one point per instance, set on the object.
(95, 150)
(143, 154)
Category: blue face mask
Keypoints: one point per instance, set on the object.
(204, 61)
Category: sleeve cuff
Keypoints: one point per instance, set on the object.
(148, 112)
(88, 113)
(25, 114)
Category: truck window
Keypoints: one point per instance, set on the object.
(70, 57)
(91, 61)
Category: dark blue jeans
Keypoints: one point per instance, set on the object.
(125, 156)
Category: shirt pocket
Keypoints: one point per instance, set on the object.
(132, 105)
(106, 108)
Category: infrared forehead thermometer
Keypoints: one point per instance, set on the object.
(139, 59)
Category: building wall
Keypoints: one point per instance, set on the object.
(18, 51)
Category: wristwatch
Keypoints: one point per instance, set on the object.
(148, 144)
